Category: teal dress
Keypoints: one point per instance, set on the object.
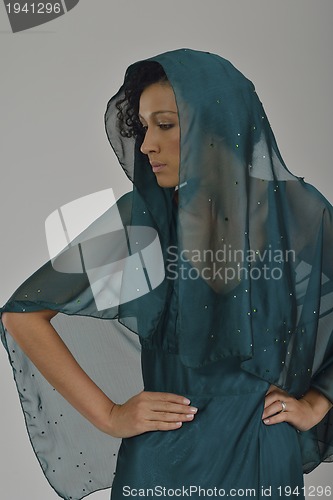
(226, 446)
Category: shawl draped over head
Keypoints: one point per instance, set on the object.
(253, 266)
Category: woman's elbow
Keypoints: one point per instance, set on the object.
(14, 320)
(8, 319)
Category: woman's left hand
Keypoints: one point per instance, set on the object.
(301, 413)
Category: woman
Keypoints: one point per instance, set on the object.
(235, 327)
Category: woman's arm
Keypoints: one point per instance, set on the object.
(36, 336)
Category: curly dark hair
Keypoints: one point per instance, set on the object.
(145, 74)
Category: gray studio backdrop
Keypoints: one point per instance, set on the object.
(55, 82)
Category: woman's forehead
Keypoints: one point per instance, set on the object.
(157, 99)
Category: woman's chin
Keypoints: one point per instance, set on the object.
(165, 182)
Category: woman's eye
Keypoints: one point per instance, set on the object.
(165, 126)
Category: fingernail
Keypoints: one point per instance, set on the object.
(266, 421)
(186, 401)
(193, 409)
(190, 415)
(179, 424)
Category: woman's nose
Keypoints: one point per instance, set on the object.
(149, 144)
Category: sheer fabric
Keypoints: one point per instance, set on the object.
(254, 262)
(253, 269)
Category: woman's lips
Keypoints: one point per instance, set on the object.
(157, 167)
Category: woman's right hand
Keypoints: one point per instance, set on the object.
(150, 411)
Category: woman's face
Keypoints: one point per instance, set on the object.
(159, 116)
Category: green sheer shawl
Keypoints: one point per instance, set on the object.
(253, 267)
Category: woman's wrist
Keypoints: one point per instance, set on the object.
(319, 403)
(102, 419)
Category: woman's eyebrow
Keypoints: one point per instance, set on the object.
(160, 112)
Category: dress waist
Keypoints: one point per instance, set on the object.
(163, 371)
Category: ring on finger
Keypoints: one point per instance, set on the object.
(284, 406)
